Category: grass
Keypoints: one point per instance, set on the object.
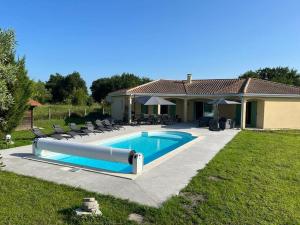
(255, 179)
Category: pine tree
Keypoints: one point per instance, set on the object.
(15, 85)
(21, 91)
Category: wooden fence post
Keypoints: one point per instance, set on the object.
(49, 113)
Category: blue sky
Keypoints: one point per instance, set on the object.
(156, 38)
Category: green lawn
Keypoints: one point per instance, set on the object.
(255, 179)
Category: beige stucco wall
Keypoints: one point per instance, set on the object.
(179, 108)
(117, 107)
(281, 113)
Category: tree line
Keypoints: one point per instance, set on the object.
(283, 75)
(72, 89)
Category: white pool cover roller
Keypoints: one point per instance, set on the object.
(89, 151)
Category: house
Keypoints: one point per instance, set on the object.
(264, 104)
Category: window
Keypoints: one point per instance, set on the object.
(208, 110)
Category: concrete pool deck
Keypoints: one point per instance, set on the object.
(151, 188)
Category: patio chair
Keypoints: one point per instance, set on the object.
(79, 131)
(39, 134)
(135, 122)
(222, 123)
(58, 130)
(90, 127)
(166, 120)
(214, 125)
(100, 126)
(145, 119)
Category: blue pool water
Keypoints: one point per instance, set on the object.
(151, 144)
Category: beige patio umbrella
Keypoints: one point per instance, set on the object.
(153, 100)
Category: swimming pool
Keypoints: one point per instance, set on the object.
(151, 144)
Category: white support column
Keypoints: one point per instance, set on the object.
(129, 108)
(243, 113)
(158, 109)
(185, 110)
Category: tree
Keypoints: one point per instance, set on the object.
(90, 101)
(101, 87)
(21, 92)
(68, 89)
(40, 93)
(15, 85)
(276, 74)
(7, 72)
(55, 85)
(79, 97)
(74, 82)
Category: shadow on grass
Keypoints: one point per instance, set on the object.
(69, 216)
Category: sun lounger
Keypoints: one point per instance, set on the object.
(112, 124)
(79, 131)
(58, 130)
(100, 126)
(107, 124)
(89, 126)
(116, 123)
(39, 134)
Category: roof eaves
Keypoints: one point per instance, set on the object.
(271, 95)
(158, 94)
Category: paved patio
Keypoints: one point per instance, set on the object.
(151, 188)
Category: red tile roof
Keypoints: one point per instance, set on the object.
(160, 86)
(215, 86)
(33, 103)
(212, 87)
(258, 86)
